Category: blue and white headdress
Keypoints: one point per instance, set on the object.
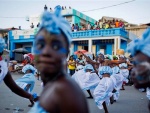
(29, 67)
(99, 52)
(141, 45)
(89, 66)
(105, 69)
(55, 23)
(115, 70)
(123, 65)
(2, 44)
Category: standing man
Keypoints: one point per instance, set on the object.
(71, 65)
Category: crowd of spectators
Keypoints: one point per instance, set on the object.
(106, 24)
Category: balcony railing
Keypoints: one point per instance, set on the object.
(29, 34)
(101, 33)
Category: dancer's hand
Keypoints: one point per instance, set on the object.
(34, 97)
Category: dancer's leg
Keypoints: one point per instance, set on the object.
(105, 107)
(90, 95)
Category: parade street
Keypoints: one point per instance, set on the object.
(130, 101)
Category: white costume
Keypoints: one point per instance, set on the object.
(86, 80)
(3, 64)
(119, 80)
(148, 93)
(3, 70)
(27, 79)
(124, 72)
(90, 80)
(103, 91)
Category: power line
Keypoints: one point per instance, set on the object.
(89, 10)
(109, 6)
(12, 17)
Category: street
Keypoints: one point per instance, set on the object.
(131, 101)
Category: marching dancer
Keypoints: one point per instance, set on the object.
(6, 76)
(28, 80)
(139, 49)
(51, 48)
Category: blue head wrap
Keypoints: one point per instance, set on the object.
(2, 44)
(141, 45)
(28, 67)
(99, 52)
(88, 66)
(90, 56)
(55, 23)
(105, 69)
(115, 70)
(80, 67)
(123, 65)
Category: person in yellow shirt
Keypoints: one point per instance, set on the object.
(71, 65)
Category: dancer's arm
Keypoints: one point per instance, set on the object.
(15, 88)
(88, 59)
(117, 62)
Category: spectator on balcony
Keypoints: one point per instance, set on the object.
(38, 24)
(83, 28)
(65, 8)
(32, 26)
(117, 24)
(103, 25)
(100, 24)
(92, 27)
(72, 28)
(69, 7)
(51, 10)
(62, 8)
(113, 21)
(112, 24)
(88, 26)
(121, 24)
(76, 28)
(107, 25)
(96, 25)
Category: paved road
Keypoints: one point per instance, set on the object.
(131, 101)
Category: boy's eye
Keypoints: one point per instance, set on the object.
(56, 45)
(40, 44)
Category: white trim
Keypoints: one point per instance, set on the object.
(115, 46)
(97, 38)
(119, 41)
(123, 38)
(90, 45)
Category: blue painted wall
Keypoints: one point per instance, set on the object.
(123, 44)
(109, 49)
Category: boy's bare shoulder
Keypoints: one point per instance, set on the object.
(66, 94)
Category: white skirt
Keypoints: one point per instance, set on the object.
(78, 76)
(148, 93)
(103, 91)
(90, 81)
(125, 74)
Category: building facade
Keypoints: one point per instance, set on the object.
(105, 40)
(73, 16)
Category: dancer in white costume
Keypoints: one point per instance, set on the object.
(6, 76)
(28, 80)
(51, 48)
(91, 79)
(103, 92)
(78, 76)
(116, 76)
(125, 73)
